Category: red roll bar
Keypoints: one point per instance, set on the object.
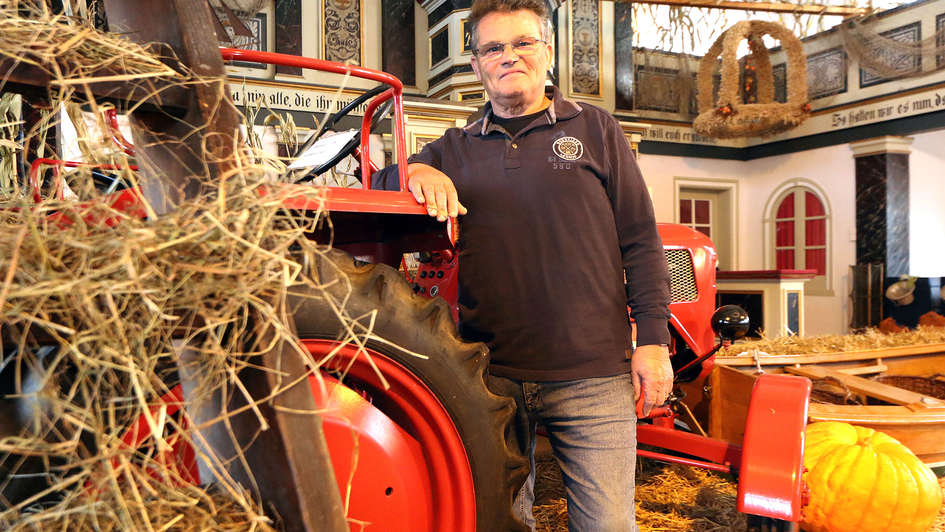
(396, 91)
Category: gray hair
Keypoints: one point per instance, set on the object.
(481, 8)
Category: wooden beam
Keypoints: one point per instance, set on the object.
(180, 156)
(286, 462)
(883, 392)
(20, 77)
(886, 354)
(863, 370)
(286, 465)
(773, 7)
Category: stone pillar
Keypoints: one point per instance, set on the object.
(342, 32)
(882, 227)
(623, 55)
(288, 34)
(397, 39)
(882, 202)
(585, 61)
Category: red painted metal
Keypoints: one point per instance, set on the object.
(380, 468)
(111, 120)
(56, 163)
(408, 399)
(710, 449)
(663, 457)
(411, 474)
(663, 416)
(772, 459)
(337, 199)
(365, 150)
(179, 458)
(407, 440)
(127, 201)
(691, 318)
(766, 274)
(371, 165)
(440, 277)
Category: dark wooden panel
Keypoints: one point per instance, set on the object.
(32, 81)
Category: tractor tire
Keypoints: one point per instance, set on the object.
(23, 476)
(757, 523)
(453, 371)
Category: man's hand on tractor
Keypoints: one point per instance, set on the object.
(652, 375)
(433, 187)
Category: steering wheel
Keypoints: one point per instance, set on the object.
(355, 141)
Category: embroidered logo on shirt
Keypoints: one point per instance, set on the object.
(568, 148)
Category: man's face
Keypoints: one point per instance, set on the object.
(512, 80)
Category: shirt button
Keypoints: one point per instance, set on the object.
(514, 146)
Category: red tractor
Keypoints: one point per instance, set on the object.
(430, 452)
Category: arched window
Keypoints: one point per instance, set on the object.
(800, 228)
(799, 224)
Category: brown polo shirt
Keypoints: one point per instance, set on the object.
(557, 212)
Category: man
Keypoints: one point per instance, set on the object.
(557, 209)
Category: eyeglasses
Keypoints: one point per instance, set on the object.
(522, 47)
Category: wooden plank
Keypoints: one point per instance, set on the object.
(773, 7)
(923, 432)
(884, 392)
(150, 93)
(284, 458)
(730, 392)
(817, 358)
(864, 370)
(286, 464)
(714, 422)
(181, 157)
(916, 366)
(876, 415)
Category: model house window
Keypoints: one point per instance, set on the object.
(708, 206)
(800, 228)
(697, 214)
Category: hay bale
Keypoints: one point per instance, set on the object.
(668, 498)
(113, 301)
(70, 51)
(806, 345)
(90, 313)
(672, 498)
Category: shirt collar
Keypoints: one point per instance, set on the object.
(561, 108)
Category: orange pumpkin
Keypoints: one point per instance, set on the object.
(861, 480)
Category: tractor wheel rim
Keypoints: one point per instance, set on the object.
(451, 482)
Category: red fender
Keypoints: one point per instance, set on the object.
(379, 462)
(770, 482)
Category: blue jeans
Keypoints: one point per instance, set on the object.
(591, 425)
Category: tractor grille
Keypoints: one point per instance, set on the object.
(682, 279)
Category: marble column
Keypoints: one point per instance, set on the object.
(882, 231)
(882, 202)
(289, 33)
(397, 37)
(623, 54)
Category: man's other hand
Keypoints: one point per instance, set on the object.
(650, 367)
(432, 187)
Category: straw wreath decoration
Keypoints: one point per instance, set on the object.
(727, 117)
